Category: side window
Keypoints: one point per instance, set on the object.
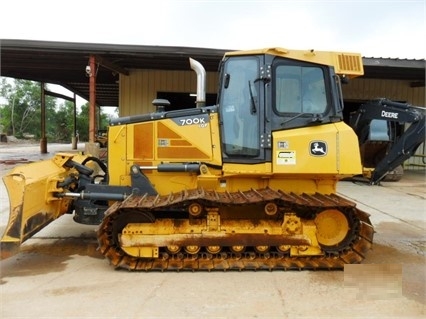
(300, 89)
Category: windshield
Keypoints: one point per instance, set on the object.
(239, 106)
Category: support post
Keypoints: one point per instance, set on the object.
(43, 140)
(74, 140)
(92, 99)
(92, 148)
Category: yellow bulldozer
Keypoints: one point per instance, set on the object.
(248, 183)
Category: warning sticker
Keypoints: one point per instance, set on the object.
(163, 142)
(286, 158)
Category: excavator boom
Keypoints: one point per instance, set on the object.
(384, 114)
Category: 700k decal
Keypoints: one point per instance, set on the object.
(201, 121)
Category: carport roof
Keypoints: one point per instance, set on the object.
(64, 63)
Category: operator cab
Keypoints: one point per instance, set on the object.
(263, 93)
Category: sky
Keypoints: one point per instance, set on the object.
(373, 28)
(386, 29)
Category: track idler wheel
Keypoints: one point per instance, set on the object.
(332, 227)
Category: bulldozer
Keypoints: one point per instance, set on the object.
(247, 183)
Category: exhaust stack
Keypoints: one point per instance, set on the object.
(201, 82)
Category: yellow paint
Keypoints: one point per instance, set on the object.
(349, 64)
(292, 152)
(31, 191)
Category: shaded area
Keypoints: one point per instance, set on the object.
(44, 255)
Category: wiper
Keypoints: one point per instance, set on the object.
(292, 118)
(253, 109)
(316, 118)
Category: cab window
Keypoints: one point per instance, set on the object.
(300, 89)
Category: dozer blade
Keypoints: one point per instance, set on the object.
(31, 189)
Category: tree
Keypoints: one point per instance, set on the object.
(21, 114)
(6, 112)
(83, 122)
(62, 128)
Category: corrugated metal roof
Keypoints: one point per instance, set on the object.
(395, 62)
(64, 63)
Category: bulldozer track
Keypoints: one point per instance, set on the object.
(354, 250)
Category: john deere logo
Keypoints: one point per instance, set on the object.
(318, 148)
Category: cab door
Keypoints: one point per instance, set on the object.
(241, 105)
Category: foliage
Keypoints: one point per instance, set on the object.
(20, 116)
(20, 113)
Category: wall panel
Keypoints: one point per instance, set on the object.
(139, 89)
(361, 89)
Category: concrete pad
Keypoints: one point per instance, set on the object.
(60, 274)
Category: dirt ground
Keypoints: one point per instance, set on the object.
(60, 274)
